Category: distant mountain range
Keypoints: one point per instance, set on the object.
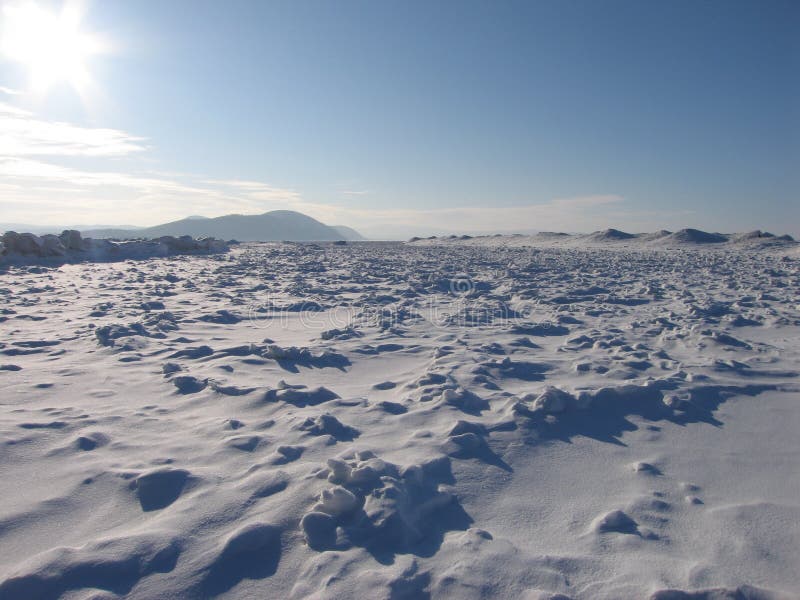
(277, 225)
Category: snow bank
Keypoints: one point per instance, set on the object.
(69, 246)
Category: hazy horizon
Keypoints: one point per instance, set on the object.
(379, 232)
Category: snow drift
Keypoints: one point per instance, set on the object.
(20, 248)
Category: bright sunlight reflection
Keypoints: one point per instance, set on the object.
(51, 45)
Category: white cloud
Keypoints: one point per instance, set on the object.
(110, 196)
(22, 134)
(27, 170)
(36, 186)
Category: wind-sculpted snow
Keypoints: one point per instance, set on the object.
(476, 418)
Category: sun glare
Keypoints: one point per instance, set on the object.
(51, 45)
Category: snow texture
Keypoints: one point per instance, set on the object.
(610, 416)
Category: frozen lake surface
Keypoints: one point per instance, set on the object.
(473, 419)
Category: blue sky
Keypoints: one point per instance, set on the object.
(404, 116)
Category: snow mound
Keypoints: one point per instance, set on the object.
(252, 551)
(115, 565)
(609, 235)
(159, 488)
(616, 521)
(382, 506)
(300, 397)
(695, 236)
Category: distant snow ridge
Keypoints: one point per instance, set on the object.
(71, 246)
(689, 237)
(609, 235)
(695, 236)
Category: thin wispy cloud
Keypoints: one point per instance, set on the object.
(32, 151)
(27, 169)
(25, 135)
(7, 109)
(256, 189)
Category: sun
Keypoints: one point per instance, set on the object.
(51, 45)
